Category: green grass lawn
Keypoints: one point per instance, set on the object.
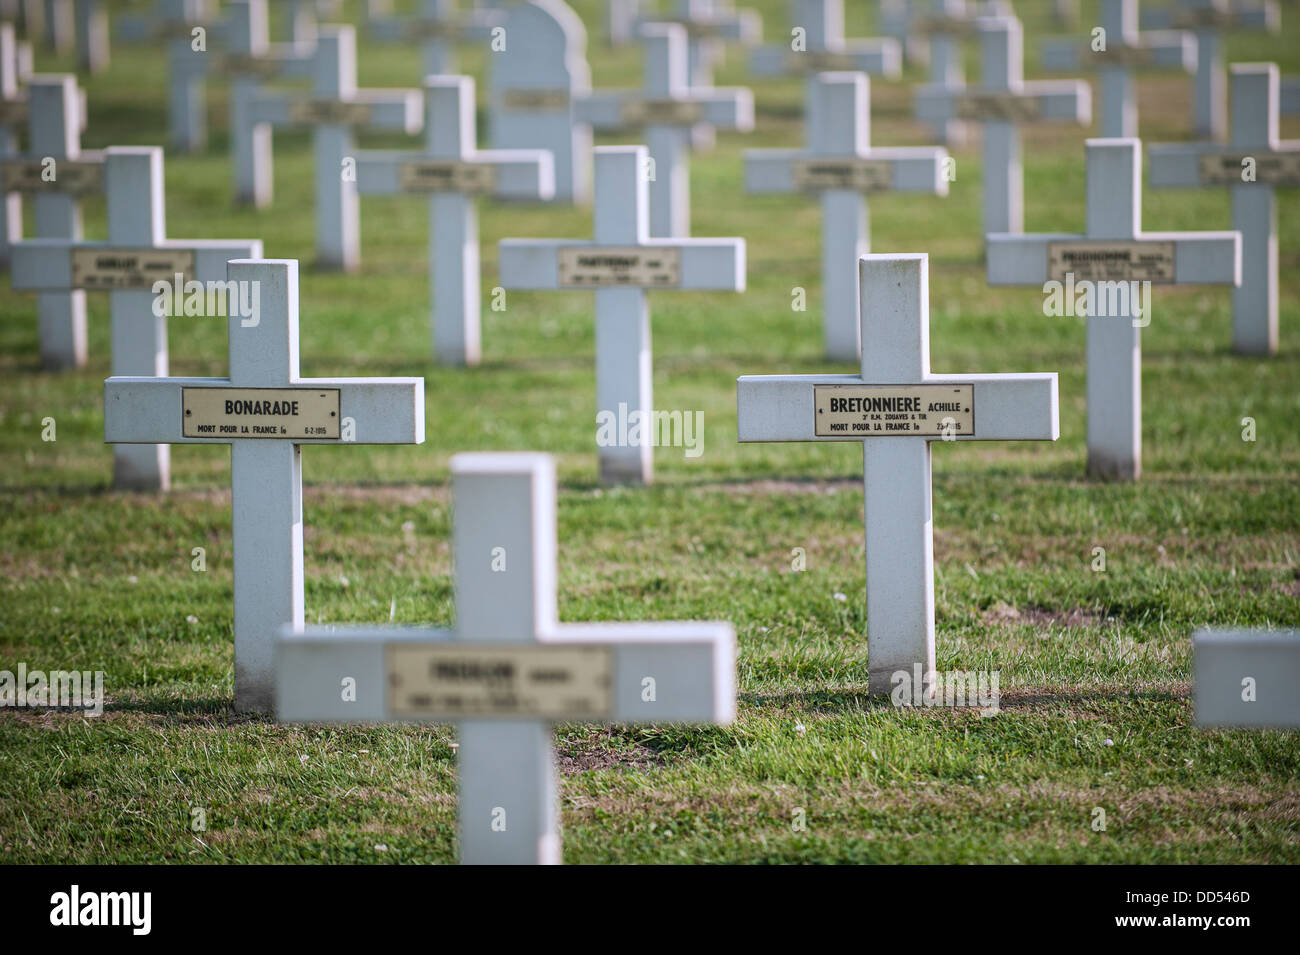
(1094, 666)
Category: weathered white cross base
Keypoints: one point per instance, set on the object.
(54, 147)
(621, 263)
(1126, 50)
(1112, 255)
(825, 49)
(896, 455)
(265, 471)
(1000, 104)
(334, 109)
(841, 166)
(1247, 678)
(508, 669)
(136, 254)
(533, 90)
(452, 172)
(669, 109)
(1253, 149)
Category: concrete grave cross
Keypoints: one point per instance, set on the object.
(438, 27)
(1001, 104)
(1252, 165)
(1246, 678)
(840, 166)
(452, 172)
(621, 263)
(56, 174)
(13, 117)
(129, 265)
(895, 407)
(668, 109)
(249, 59)
(334, 109)
(179, 24)
(622, 18)
(533, 88)
(817, 45)
(60, 27)
(1106, 269)
(508, 669)
(92, 36)
(708, 24)
(266, 412)
(1207, 19)
(1125, 50)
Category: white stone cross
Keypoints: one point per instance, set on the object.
(817, 45)
(1252, 165)
(895, 408)
(1246, 678)
(621, 19)
(621, 263)
(668, 109)
(266, 412)
(438, 27)
(708, 23)
(334, 109)
(508, 669)
(60, 27)
(1101, 275)
(841, 166)
(92, 36)
(136, 255)
(452, 172)
(250, 58)
(173, 22)
(1001, 103)
(13, 117)
(56, 174)
(1125, 50)
(1206, 19)
(533, 89)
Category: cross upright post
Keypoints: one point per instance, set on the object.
(1001, 104)
(1253, 164)
(92, 36)
(1101, 275)
(622, 263)
(452, 172)
(841, 167)
(668, 109)
(266, 412)
(508, 669)
(136, 256)
(895, 407)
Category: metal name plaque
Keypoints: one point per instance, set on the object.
(1106, 261)
(72, 177)
(261, 65)
(329, 112)
(1272, 169)
(285, 413)
(612, 267)
(1135, 56)
(117, 269)
(821, 62)
(1007, 106)
(428, 175)
(889, 411)
(859, 175)
(453, 682)
(529, 100)
(662, 112)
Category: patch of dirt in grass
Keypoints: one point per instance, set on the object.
(1005, 615)
(585, 756)
(1291, 587)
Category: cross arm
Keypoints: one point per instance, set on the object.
(1179, 164)
(383, 109)
(47, 263)
(516, 173)
(692, 665)
(1224, 660)
(910, 168)
(1006, 407)
(703, 264)
(1058, 54)
(1204, 258)
(148, 410)
(1067, 101)
(879, 57)
(604, 109)
(745, 26)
